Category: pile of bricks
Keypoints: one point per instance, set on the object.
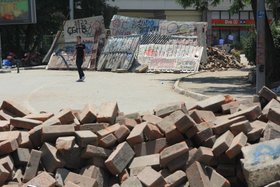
(218, 142)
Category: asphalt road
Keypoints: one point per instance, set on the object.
(46, 90)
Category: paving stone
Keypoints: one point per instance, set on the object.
(25, 140)
(151, 147)
(272, 104)
(108, 141)
(51, 133)
(65, 116)
(93, 127)
(203, 155)
(226, 170)
(7, 135)
(182, 121)
(238, 142)
(4, 175)
(32, 166)
(50, 158)
(94, 151)
(229, 107)
(5, 116)
(172, 152)
(119, 158)
(152, 132)
(216, 179)
(213, 103)
(42, 180)
(21, 157)
(14, 108)
(122, 133)
(81, 180)
(72, 158)
(24, 123)
(40, 117)
(222, 143)
(88, 114)
(60, 176)
(8, 146)
(243, 126)
(108, 112)
(176, 179)
(274, 115)
(71, 184)
(65, 143)
(178, 163)
(135, 116)
(132, 181)
(4, 125)
(136, 171)
(108, 130)
(267, 94)
(258, 128)
(96, 173)
(150, 118)
(151, 178)
(251, 113)
(143, 161)
(197, 176)
(129, 123)
(200, 116)
(173, 136)
(203, 135)
(83, 138)
(209, 142)
(271, 131)
(222, 125)
(164, 110)
(137, 134)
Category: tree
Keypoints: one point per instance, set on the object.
(272, 65)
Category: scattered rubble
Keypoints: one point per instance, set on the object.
(219, 60)
(218, 142)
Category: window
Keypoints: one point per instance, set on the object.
(215, 15)
(224, 15)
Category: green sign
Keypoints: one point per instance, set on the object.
(17, 12)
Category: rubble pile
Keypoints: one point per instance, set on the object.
(218, 142)
(219, 60)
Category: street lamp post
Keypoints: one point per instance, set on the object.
(71, 9)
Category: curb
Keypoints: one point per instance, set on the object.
(189, 93)
(5, 71)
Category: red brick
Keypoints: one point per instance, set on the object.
(4, 125)
(8, 146)
(93, 127)
(40, 117)
(213, 103)
(178, 163)
(196, 175)
(166, 123)
(173, 135)
(24, 123)
(51, 133)
(50, 158)
(32, 166)
(251, 113)
(108, 112)
(129, 123)
(274, 115)
(226, 170)
(137, 134)
(4, 175)
(151, 118)
(182, 121)
(119, 158)
(65, 143)
(216, 179)
(42, 180)
(152, 132)
(108, 141)
(132, 181)
(267, 94)
(238, 142)
(143, 161)
(80, 180)
(222, 125)
(209, 142)
(122, 133)
(135, 116)
(203, 135)
(203, 155)
(65, 116)
(25, 140)
(94, 151)
(151, 178)
(72, 158)
(151, 147)
(258, 128)
(222, 143)
(272, 104)
(108, 130)
(5, 116)
(226, 108)
(71, 184)
(7, 135)
(97, 173)
(83, 138)
(14, 108)
(243, 126)
(88, 114)
(172, 152)
(51, 121)
(176, 179)
(166, 109)
(200, 116)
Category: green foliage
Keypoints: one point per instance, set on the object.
(249, 45)
(275, 29)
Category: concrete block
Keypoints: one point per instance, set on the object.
(238, 142)
(223, 124)
(213, 103)
(65, 143)
(51, 133)
(151, 147)
(122, 133)
(216, 179)
(83, 138)
(32, 166)
(200, 116)
(88, 114)
(60, 176)
(24, 123)
(40, 117)
(50, 158)
(151, 178)
(222, 143)
(65, 116)
(4, 125)
(108, 141)
(176, 179)
(197, 176)
(14, 108)
(274, 115)
(81, 180)
(93, 127)
(94, 151)
(108, 130)
(108, 112)
(42, 180)
(172, 152)
(143, 161)
(132, 181)
(152, 132)
(261, 158)
(97, 173)
(17, 176)
(119, 158)
(267, 94)
(271, 131)
(243, 126)
(251, 113)
(137, 134)
(166, 109)
(150, 118)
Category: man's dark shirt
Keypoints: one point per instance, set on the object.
(80, 50)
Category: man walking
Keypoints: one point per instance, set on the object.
(80, 58)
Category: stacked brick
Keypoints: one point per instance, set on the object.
(171, 146)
